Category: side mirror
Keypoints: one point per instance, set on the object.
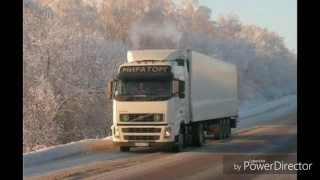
(181, 86)
(109, 90)
(182, 95)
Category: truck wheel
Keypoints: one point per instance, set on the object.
(233, 123)
(224, 131)
(199, 135)
(179, 148)
(124, 149)
(221, 133)
(228, 128)
(202, 137)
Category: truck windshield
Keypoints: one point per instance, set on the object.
(143, 89)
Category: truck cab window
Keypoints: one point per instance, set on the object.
(157, 88)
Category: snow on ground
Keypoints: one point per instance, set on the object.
(65, 150)
(90, 145)
(248, 110)
(248, 118)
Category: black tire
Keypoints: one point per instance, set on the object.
(221, 133)
(233, 123)
(198, 137)
(224, 131)
(124, 149)
(179, 148)
(228, 128)
(225, 128)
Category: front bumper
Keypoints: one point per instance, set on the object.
(129, 139)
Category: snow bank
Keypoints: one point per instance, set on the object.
(66, 150)
(90, 145)
(247, 110)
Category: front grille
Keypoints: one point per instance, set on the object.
(141, 130)
(141, 118)
(141, 138)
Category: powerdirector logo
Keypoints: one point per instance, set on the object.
(263, 164)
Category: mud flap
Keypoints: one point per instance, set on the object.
(233, 123)
(176, 139)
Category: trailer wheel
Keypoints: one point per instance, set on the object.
(233, 123)
(198, 135)
(224, 128)
(228, 129)
(203, 136)
(221, 133)
(179, 148)
(124, 149)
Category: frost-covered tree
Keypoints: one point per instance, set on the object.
(39, 110)
(74, 67)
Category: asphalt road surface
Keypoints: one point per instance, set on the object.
(271, 133)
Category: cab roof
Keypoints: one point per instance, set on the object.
(162, 54)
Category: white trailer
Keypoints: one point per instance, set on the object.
(214, 92)
(170, 97)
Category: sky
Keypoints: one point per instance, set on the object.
(277, 15)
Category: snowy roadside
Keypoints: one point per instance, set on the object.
(257, 116)
(65, 150)
(90, 145)
(247, 110)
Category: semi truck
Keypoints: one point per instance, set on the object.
(172, 98)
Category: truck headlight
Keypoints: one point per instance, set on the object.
(116, 131)
(167, 132)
